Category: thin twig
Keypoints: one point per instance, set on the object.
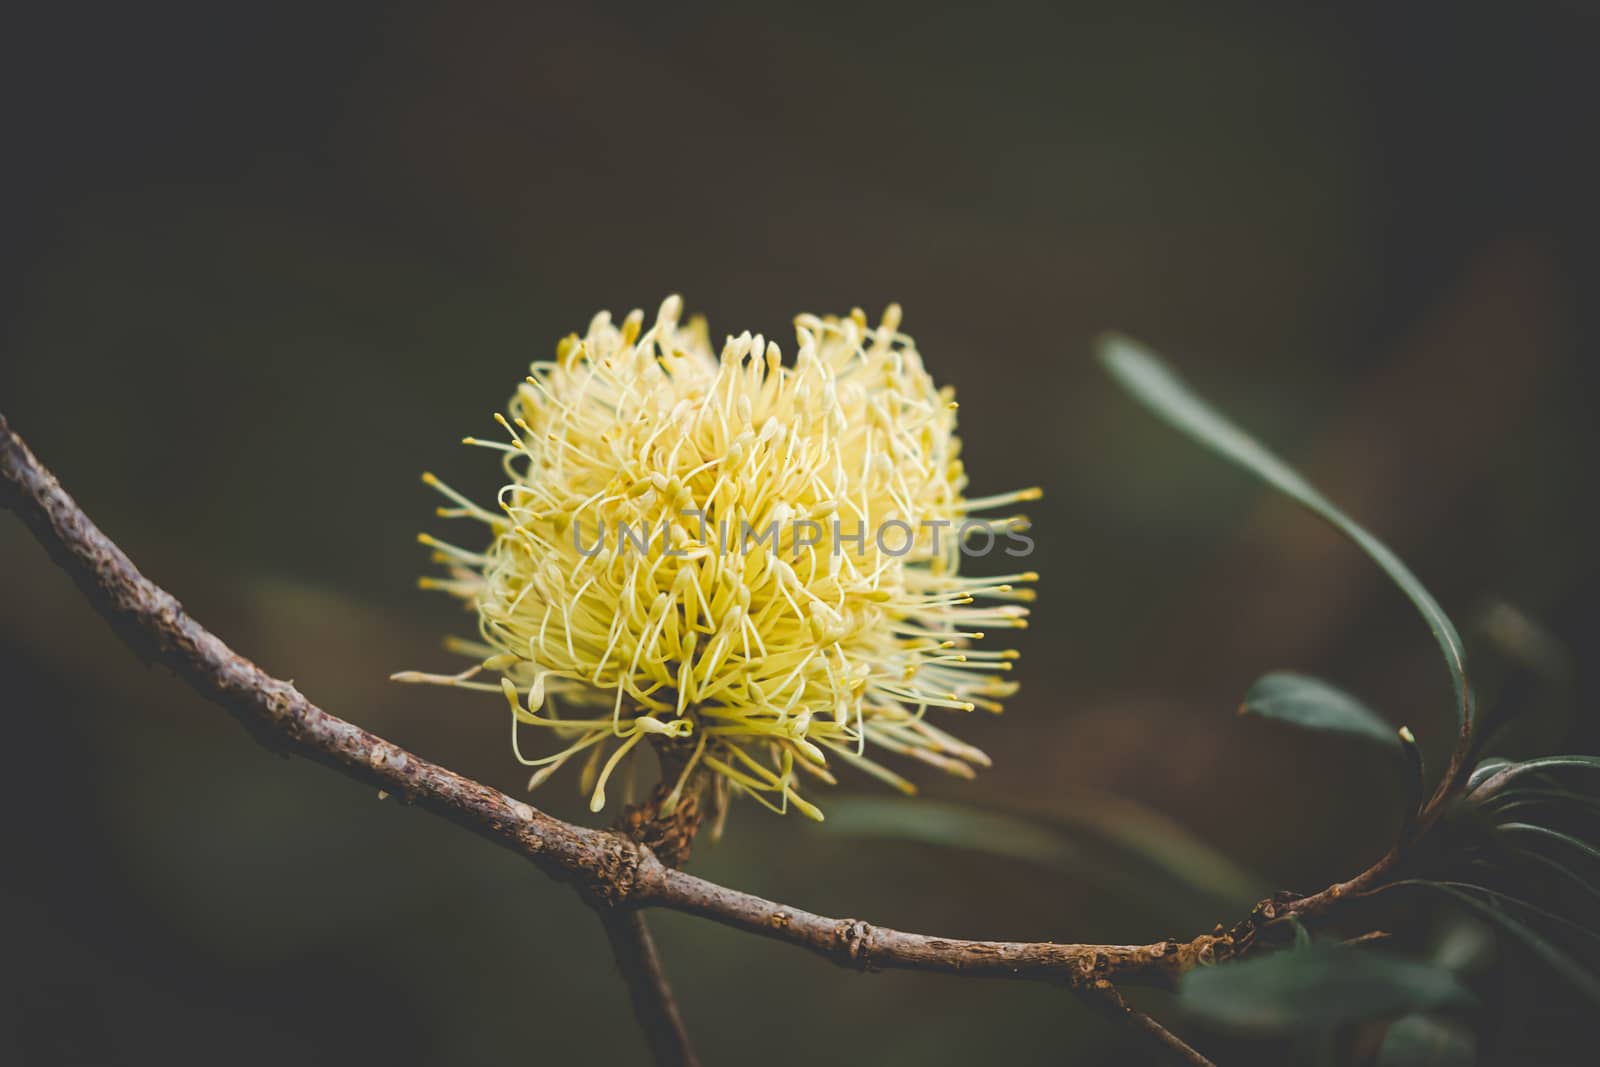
(669, 837)
(861, 946)
(653, 1003)
(1176, 1049)
(1371, 937)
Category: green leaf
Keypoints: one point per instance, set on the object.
(1510, 800)
(1522, 640)
(1531, 830)
(1463, 945)
(1302, 936)
(1496, 788)
(1572, 877)
(1502, 901)
(1491, 777)
(1425, 1041)
(1316, 705)
(1178, 856)
(1575, 973)
(1121, 845)
(954, 826)
(1485, 770)
(1319, 985)
(1153, 384)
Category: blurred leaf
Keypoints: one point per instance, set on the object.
(1316, 705)
(1530, 700)
(1521, 639)
(954, 826)
(1183, 858)
(1464, 945)
(1153, 384)
(1425, 1041)
(1302, 936)
(1074, 844)
(1579, 976)
(1316, 986)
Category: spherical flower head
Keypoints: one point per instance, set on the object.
(757, 564)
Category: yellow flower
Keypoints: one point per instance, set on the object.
(759, 563)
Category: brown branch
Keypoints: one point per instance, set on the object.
(669, 837)
(1174, 1047)
(653, 1003)
(605, 867)
(863, 947)
(610, 871)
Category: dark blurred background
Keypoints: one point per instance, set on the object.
(263, 264)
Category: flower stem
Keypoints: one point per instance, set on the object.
(653, 1003)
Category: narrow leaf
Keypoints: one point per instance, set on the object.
(1316, 705)
(1153, 384)
(1555, 799)
(1491, 777)
(1532, 830)
(954, 826)
(1485, 770)
(1319, 985)
(1575, 973)
(1494, 899)
(1571, 876)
